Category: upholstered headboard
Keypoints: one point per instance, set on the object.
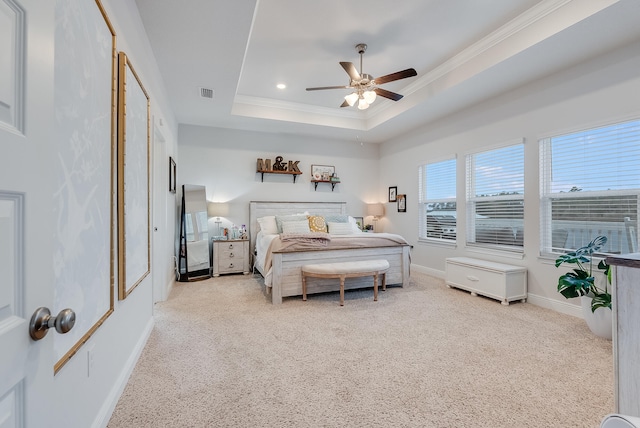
(259, 209)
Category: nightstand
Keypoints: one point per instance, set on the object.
(230, 257)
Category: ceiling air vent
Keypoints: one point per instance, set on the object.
(206, 93)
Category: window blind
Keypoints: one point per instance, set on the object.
(495, 197)
(437, 199)
(590, 184)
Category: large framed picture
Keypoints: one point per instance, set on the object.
(134, 258)
(402, 203)
(393, 193)
(85, 57)
(322, 172)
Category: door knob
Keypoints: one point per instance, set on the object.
(42, 321)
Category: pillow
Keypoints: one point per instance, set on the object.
(268, 225)
(339, 228)
(354, 225)
(301, 226)
(336, 218)
(317, 223)
(293, 217)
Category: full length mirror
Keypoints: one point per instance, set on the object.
(194, 234)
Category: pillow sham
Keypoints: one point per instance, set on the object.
(268, 225)
(301, 226)
(354, 225)
(336, 218)
(292, 217)
(339, 228)
(317, 223)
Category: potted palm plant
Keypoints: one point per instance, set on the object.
(581, 282)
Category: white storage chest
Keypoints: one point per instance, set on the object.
(496, 280)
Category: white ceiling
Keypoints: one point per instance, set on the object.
(463, 50)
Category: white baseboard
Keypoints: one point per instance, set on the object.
(555, 305)
(428, 271)
(542, 301)
(110, 403)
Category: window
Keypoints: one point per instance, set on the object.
(495, 197)
(437, 199)
(589, 185)
(196, 225)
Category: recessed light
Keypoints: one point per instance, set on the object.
(281, 86)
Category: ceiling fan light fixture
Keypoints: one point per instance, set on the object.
(365, 86)
(351, 99)
(369, 96)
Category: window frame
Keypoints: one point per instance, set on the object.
(423, 200)
(471, 200)
(547, 197)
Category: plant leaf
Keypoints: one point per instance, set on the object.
(602, 300)
(569, 285)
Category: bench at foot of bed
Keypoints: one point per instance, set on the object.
(345, 270)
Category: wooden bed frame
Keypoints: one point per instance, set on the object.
(286, 274)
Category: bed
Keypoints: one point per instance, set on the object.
(280, 265)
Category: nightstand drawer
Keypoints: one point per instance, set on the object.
(231, 255)
(237, 246)
(229, 266)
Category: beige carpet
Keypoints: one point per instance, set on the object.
(221, 355)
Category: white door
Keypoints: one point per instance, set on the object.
(27, 31)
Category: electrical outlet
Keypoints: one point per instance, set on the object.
(90, 360)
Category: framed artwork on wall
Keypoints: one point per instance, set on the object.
(85, 141)
(393, 192)
(172, 175)
(402, 203)
(322, 172)
(133, 179)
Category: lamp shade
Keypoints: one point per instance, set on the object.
(217, 209)
(376, 210)
(351, 98)
(369, 96)
(363, 104)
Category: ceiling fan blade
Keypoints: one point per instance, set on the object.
(388, 94)
(327, 87)
(344, 104)
(351, 70)
(409, 72)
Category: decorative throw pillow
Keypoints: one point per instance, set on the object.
(301, 226)
(317, 223)
(293, 217)
(336, 218)
(268, 225)
(339, 228)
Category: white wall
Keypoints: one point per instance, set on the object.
(224, 161)
(602, 90)
(81, 400)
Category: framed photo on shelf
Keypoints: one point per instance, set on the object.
(402, 203)
(172, 175)
(322, 172)
(360, 222)
(393, 193)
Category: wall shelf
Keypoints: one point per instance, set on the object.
(295, 174)
(333, 183)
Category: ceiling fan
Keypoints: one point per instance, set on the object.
(365, 87)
